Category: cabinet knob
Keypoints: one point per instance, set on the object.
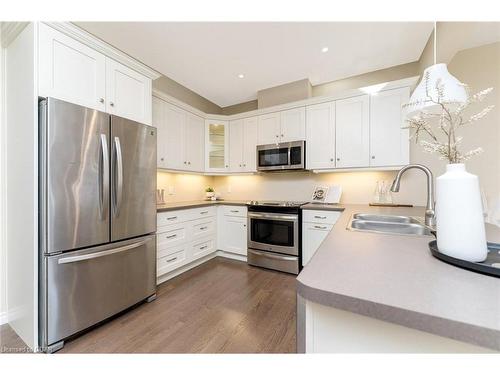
(185, 162)
(338, 159)
(373, 156)
(244, 165)
(240, 165)
(227, 166)
(282, 135)
(331, 159)
(111, 104)
(189, 162)
(162, 159)
(277, 136)
(101, 100)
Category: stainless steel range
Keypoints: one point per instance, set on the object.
(274, 235)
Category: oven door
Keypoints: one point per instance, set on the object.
(274, 232)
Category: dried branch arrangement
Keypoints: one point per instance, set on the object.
(441, 126)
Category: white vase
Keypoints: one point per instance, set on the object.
(459, 215)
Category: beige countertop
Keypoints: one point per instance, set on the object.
(171, 206)
(396, 279)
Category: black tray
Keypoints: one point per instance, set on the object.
(491, 266)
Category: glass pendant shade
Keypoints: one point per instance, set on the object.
(453, 91)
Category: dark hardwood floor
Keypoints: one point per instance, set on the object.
(222, 306)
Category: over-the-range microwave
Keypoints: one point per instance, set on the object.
(281, 156)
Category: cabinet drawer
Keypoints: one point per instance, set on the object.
(172, 217)
(202, 212)
(203, 227)
(203, 247)
(172, 235)
(325, 217)
(171, 262)
(240, 211)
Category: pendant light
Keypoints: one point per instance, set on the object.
(453, 90)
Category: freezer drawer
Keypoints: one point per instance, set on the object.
(274, 261)
(85, 287)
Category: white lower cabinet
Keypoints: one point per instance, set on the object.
(184, 236)
(232, 229)
(315, 227)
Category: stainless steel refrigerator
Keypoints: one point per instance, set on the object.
(97, 218)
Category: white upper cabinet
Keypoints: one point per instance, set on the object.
(352, 123)
(293, 125)
(216, 146)
(128, 93)
(243, 145)
(70, 71)
(195, 143)
(269, 128)
(175, 127)
(320, 136)
(389, 142)
(161, 131)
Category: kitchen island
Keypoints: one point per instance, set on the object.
(372, 292)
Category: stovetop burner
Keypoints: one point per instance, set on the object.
(277, 203)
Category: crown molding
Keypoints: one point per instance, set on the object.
(10, 30)
(95, 43)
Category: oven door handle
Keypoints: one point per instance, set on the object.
(272, 216)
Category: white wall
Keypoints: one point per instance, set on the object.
(22, 185)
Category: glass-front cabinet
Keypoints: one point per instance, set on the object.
(217, 146)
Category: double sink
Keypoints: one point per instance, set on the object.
(389, 224)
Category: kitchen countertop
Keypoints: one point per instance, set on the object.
(172, 206)
(395, 278)
(324, 206)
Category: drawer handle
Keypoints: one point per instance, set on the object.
(203, 247)
(320, 217)
(172, 236)
(203, 228)
(171, 260)
(319, 227)
(235, 211)
(172, 218)
(203, 212)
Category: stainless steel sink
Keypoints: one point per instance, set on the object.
(388, 224)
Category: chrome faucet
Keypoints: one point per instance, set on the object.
(430, 219)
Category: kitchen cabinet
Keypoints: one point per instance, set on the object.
(216, 146)
(284, 126)
(232, 233)
(320, 136)
(70, 70)
(389, 142)
(195, 143)
(243, 145)
(161, 132)
(352, 132)
(175, 128)
(128, 93)
(315, 227)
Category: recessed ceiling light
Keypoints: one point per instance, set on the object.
(324, 49)
(241, 76)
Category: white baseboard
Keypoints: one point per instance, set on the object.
(4, 317)
(196, 263)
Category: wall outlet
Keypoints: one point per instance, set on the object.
(171, 190)
(229, 189)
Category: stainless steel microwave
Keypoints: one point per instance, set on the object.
(281, 156)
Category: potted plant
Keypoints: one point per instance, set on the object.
(459, 215)
(209, 192)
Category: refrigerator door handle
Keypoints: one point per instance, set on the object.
(119, 178)
(99, 254)
(103, 177)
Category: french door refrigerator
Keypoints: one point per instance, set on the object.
(97, 218)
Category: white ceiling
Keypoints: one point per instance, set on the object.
(208, 57)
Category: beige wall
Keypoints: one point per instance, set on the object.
(240, 108)
(289, 92)
(187, 187)
(172, 88)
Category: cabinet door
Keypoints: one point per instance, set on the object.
(175, 119)
(195, 143)
(320, 136)
(293, 125)
(236, 142)
(128, 93)
(389, 142)
(70, 71)
(269, 128)
(161, 131)
(234, 235)
(216, 146)
(352, 132)
(250, 139)
(312, 236)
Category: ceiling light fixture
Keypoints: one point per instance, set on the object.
(453, 90)
(324, 49)
(241, 76)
